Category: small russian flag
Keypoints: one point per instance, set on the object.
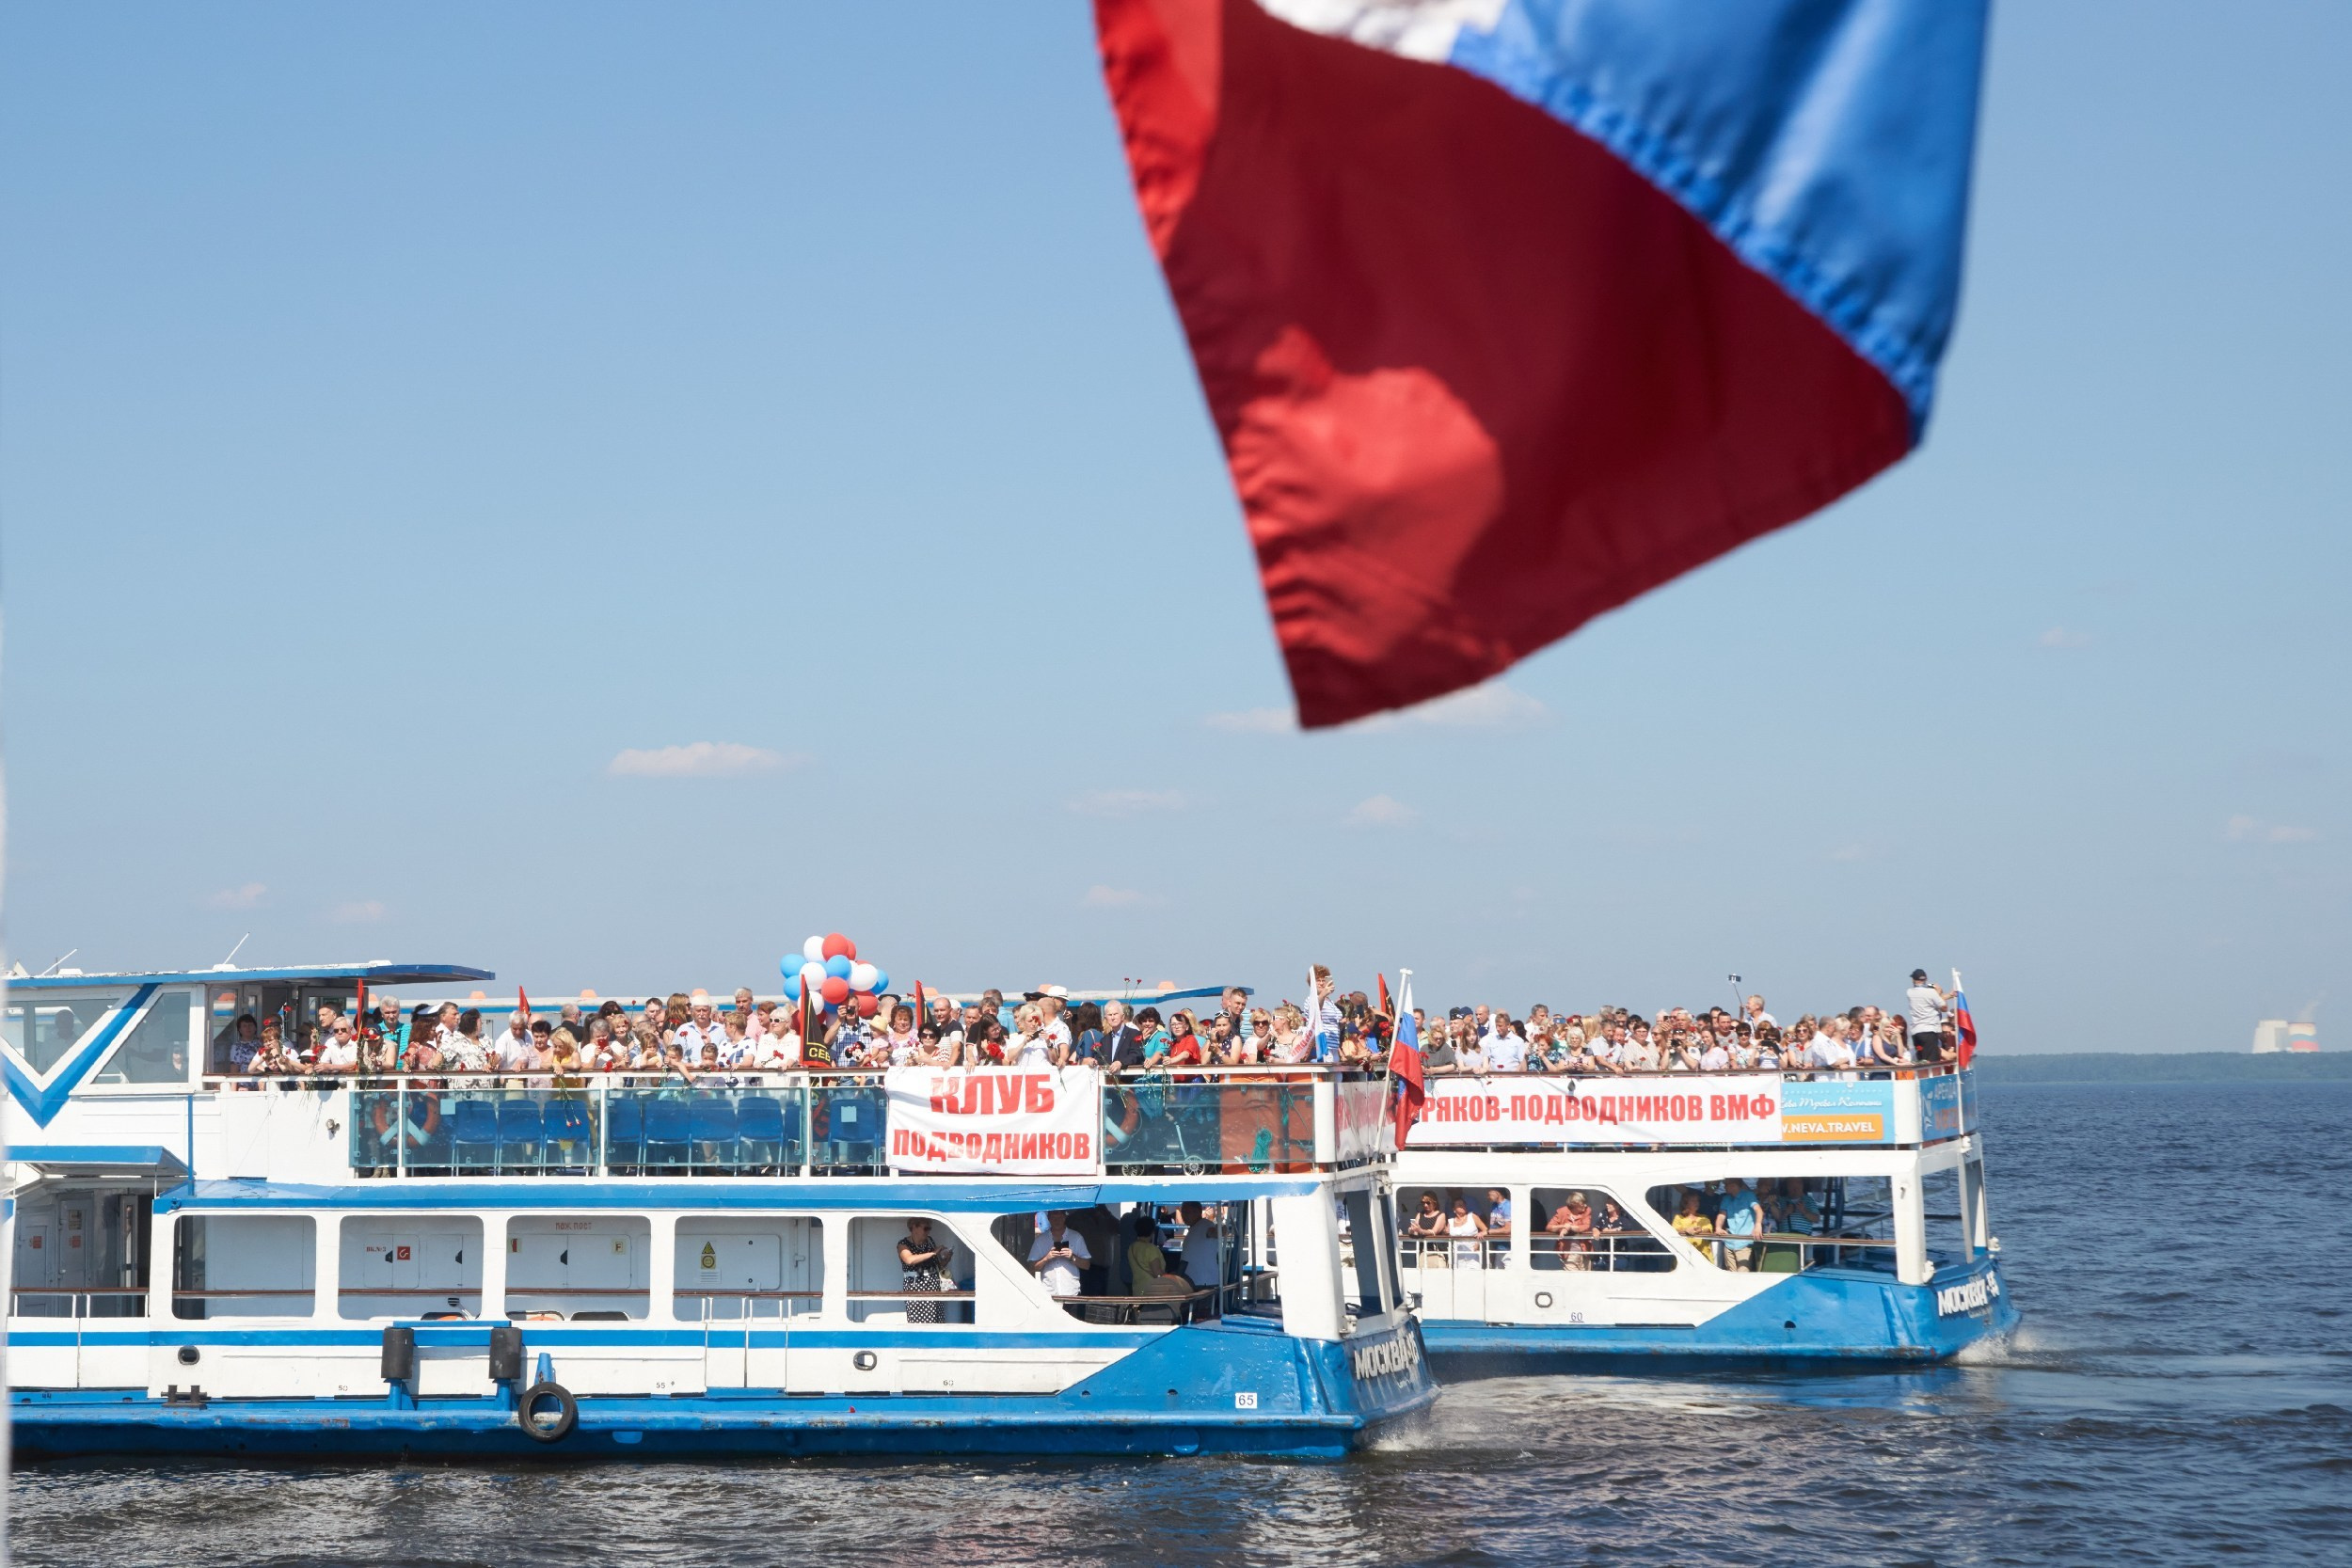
(1965, 1019)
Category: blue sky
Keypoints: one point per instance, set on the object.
(415, 422)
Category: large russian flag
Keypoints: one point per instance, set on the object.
(1508, 310)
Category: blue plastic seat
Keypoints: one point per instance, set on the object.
(759, 1122)
(624, 1130)
(474, 1132)
(759, 1119)
(667, 1129)
(567, 1123)
(520, 1131)
(713, 1125)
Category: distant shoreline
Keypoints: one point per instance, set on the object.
(2180, 1067)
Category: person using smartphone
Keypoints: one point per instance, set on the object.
(1059, 1254)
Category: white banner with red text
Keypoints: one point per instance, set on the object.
(1758, 1109)
(1016, 1121)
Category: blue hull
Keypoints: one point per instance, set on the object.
(1823, 1318)
(1175, 1396)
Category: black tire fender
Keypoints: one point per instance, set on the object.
(567, 1413)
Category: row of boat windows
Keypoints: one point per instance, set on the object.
(597, 1267)
(1766, 1224)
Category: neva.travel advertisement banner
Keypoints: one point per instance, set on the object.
(1017, 1122)
(1697, 1110)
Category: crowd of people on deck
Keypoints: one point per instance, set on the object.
(687, 1036)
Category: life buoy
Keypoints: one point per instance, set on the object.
(538, 1425)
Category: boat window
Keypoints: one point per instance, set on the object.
(44, 1030)
(1361, 1237)
(1939, 1197)
(757, 1266)
(409, 1265)
(1153, 1263)
(1455, 1226)
(1799, 1221)
(156, 1049)
(243, 1266)
(563, 1266)
(1590, 1228)
(930, 1283)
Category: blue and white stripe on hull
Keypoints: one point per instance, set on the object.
(1205, 1389)
(1823, 1317)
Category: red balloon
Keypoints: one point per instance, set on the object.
(839, 946)
(835, 990)
(866, 1003)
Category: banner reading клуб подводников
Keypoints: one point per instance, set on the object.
(1041, 1122)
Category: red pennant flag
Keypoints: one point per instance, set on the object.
(522, 1002)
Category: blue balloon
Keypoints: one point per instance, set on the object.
(881, 979)
(791, 964)
(792, 982)
(838, 966)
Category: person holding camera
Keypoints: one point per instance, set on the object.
(1058, 1255)
(1929, 1006)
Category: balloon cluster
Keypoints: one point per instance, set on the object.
(829, 969)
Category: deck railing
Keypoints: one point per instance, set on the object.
(90, 1301)
(454, 1123)
(1189, 1120)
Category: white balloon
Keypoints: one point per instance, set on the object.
(814, 950)
(863, 975)
(813, 975)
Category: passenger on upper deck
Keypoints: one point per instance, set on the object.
(1930, 1006)
(510, 1052)
(340, 1053)
(244, 1042)
(899, 1042)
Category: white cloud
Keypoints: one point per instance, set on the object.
(1127, 802)
(1254, 720)
(242, 897)
(2253, 829)
(703, 759)
(2058, 636)
(1103, 897)
(1381, 810)
(1490, 707)
(359, 912)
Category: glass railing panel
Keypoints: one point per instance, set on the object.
(845, 1119)
(1157, 1122)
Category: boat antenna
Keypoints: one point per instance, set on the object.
(69, 953)
(233, 951)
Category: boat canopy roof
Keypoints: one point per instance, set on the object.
(375, 971)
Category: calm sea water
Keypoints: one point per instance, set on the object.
(2181, 1393)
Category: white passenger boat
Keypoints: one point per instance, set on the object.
(619, 1268)
(1822, 1218)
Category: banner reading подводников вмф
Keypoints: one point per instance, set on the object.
(1036, 1121)
(1703, 1110)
